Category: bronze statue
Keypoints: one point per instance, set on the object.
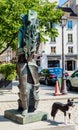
(28, 44)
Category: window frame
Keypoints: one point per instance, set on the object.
(70, 50)
(53, 40)
(54, 49)
(70, 38)
(69, 24)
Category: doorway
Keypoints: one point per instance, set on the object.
(70, 65)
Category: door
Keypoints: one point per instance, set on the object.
(71, 65)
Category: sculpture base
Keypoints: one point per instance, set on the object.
(16, 116)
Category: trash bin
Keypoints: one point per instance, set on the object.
(6, 84)
(59, 82)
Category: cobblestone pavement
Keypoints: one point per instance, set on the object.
(9, 101)
(43, 106)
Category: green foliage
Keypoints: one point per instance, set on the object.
(8, 71)
(44, 72)
(10, 11)
(48, 15)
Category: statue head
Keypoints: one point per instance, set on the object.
(24, 19)
(32, 16)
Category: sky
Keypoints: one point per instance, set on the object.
(61, 2)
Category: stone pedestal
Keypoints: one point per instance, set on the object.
(16, 116)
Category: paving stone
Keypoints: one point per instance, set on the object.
(9, 101)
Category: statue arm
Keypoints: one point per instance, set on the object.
(30, 57)
(20, 38)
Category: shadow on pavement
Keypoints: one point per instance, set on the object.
(55, 123)
(43, 87)
(2, 118)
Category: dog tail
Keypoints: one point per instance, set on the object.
(54, 111)
(52, 114)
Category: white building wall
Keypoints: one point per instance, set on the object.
(47, 47)
(74, 31)
(66, 44)
(53, 1)
(58, 43)
(77, 47)
(59, 40)
(76, 2)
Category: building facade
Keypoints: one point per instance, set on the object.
(8, 56)
(53, 47)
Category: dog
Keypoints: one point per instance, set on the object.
(63, 107)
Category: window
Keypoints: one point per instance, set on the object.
(67, 5)
(70, 38)
(53, 39)
(75, 74)
(70, 49)
(69, 24)
(53, 49)
(53, 25)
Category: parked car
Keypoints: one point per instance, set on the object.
(72, 82)
(50, 75)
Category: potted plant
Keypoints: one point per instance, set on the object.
(9, 73)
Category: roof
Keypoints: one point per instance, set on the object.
(65, 2)
(69, 11)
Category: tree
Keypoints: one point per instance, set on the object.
(10, 11)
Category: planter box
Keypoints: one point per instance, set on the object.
(5, 84)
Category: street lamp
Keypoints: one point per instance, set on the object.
(63, 87)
